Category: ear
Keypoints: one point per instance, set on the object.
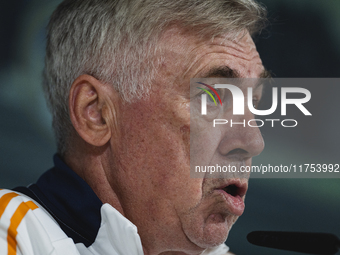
(90, 113)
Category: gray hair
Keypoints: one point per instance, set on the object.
(115, 41)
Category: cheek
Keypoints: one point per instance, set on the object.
(204, 140)
(157, 144)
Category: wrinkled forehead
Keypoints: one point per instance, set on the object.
(177, 38)
(197, 57)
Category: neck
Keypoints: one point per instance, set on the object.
(91, 164)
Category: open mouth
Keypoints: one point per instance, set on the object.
(235, 189)
(232, 190)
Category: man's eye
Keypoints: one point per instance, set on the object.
(212, 98)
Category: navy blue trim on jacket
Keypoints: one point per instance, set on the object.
(69, 199)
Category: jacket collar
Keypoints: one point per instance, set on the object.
(70, 201)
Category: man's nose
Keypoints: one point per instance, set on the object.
(241, 140)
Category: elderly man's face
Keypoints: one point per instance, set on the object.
(170, 209)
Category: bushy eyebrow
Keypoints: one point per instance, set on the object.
(227, 72)
(221, 72)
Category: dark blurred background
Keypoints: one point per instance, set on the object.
(302, 40)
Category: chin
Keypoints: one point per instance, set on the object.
(211, 232)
